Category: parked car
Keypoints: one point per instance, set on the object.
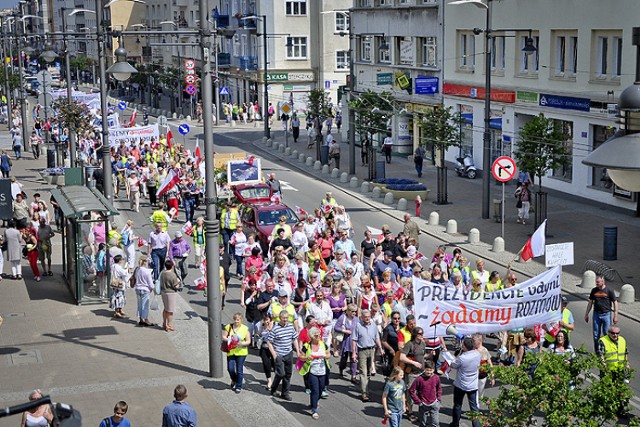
(261, 218)
(253, 193)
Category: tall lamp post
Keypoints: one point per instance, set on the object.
(23, 101)
(49, 56)
(67, 65)
(7, 84)
(265, 116)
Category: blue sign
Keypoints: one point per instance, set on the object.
(426, 85)
(184, 129)
(122, 105)
(224, 90)
(564, 102)
(327, 84)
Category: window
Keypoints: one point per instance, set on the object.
(296, 7)
(428, 51)
(599, 176)
(466, 51)
(364, 3)
(297, 48)
(384, 55)
(606, 65)
(565, 54)
(566, 172)
(343, 58)
(497, 54)
(365, 49)
(342, 22)
(384, 2)
(529, 64)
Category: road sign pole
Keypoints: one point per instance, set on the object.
(503, 201)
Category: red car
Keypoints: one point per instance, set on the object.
(253, 193)
(261, 218)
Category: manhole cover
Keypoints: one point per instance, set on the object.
(24, 357)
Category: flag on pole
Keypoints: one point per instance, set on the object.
(132, 120)
(169, 138)
(197, 153)
(168, 183)
(535, 245)
(300, 211)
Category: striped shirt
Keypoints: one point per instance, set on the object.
(281, 337)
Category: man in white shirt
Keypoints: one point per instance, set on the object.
(466, 382)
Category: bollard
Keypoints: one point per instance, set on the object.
(325, 170)
(294, 153)
(627, 294)
(402, 204)
(302, 158)
(418, 202)
(388, 199)
(344, 177)
(174, 116)
(335, 172)
(309, 161)
(188, 118)
(588, 279)
(268, 142)
(264, 139)
(375, 193)
(316, 165)
(287, 151)
(452, 226)
(498, 245)
(434, 218)
(365, 187)
(474, 235)
(353, 183)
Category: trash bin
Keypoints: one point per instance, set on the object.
(497, 210)
(88, 171)
(380, 168)
(610, 243)
(51, 156)
(324, 154)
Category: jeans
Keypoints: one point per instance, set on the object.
(419, 167)
(189, 209)
(239, 259)
(143, 304)
(429, 415)
(601, 324)
(316, 384)
(395, 419)
(158, 256)
(458, 398)
(17, 149)
(235, 367)
(284, 368)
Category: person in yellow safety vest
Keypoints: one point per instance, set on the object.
(464, 269)
(494, 283)
(328, 203)
(315, 369)
(229, 221)
(613, 350)
(114, 235)
(161, 217)
(282, 224)
(239, 333)
(404, 335)
(283, 304)
(566, 324)
(480, 273)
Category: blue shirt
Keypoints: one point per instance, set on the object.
(179, 414)
(123, 423)
(365, 335)
(347, 246)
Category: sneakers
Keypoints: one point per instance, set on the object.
(287, 397)
(502, 351)
(324, 394)
(308, 391)
(238, 390)
(314, 415)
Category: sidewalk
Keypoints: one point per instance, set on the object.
(569, 220)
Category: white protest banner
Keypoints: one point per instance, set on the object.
(559, 254)
(134, 134)
(534, 302)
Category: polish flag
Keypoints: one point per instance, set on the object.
(197, 153)
(275, 199)
(169, 138)
(300, 211)
(251, 160)
(535, 245)
(168, 183)
(132, 120)
(420, 256)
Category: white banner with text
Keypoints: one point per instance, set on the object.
(135, 134)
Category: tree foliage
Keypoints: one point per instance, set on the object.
(374, 111)
(317, 103)
(73, 115)
(442, 127)
(81, 63)
(14, 80)
(562, 393)
(541, 147)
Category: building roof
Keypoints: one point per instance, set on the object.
(76, 200)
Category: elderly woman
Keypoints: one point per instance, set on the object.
(143, 287)
(169, 284)
(344, 328)
(38, 417)
(238, 334)
(119, 279)
(315, 355)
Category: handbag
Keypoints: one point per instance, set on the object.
(519, 203)
(132, 279)
(224, 347)
(154, 305)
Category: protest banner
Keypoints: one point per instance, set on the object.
(135, 134)
(536, 301)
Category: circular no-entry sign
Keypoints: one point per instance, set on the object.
(190, 79)
(504, 168)
(190, 89)
(189, 64)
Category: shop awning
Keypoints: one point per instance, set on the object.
(77, 200)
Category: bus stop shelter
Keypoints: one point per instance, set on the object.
(83, 209)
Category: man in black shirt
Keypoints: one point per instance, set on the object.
(266, 297)
(604, 303)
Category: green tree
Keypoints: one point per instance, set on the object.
(317, 103)
(81, 63)
(14, 80)
(442, 127)
(541, 147)
(373, 112)
(73, 115)
(562, 393)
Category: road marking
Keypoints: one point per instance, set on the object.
(286, 186)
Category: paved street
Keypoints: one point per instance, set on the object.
(83, 356)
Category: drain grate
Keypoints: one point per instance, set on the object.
(15, 314)
(24, 357)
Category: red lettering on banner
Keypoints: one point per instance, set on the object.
(479, 93)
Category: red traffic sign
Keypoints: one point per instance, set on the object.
(190, 89)
(190, 79)
(504, 168)
(189, 64)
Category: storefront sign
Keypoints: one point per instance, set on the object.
(427, 85)
(6, 206)
(277, 77)
(564, 102)
(526, 97)
(383, 79)
(497, 95)
(419, 108)
(289, 77)
(495, 119)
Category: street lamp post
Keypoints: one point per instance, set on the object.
(49, 55)
(7, 84)
(265, 116)
(102, 71)
(23, 103)
(67, 64)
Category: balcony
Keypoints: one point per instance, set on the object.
(224, 60)
(249, 24)
(222, 21)
(248, 62)
(182, 3)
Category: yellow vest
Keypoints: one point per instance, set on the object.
(276, 308)
(483, 277)
(113, 234)
(242, 332)
(231, 221)
(491, 287)
(566, 316)
(307, 365)
(160, 217)
(406, 334)
(615, 355)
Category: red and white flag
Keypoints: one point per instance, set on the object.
(197, 152)
(275, 199)
(187, 228)
(168, 183)
(535, 245)
(132, 120)
(420, 256)
(251, 160)
(142, 242)
(169, 138)
(300, 211)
